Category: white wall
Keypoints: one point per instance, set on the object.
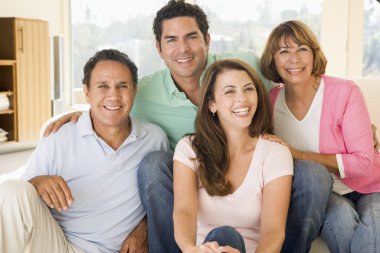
(49, 10)
(342, 36)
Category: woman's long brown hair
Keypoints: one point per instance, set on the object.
(209, 140)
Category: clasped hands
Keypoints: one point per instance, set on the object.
(211, 247)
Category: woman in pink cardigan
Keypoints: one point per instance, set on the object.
(325, 119)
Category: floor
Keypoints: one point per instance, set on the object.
(11, 165)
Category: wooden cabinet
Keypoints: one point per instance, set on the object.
(8, 116)
(25, 76)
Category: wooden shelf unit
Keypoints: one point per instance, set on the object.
(25, 76)
(8, 86)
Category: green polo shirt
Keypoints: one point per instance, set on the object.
(159, 101)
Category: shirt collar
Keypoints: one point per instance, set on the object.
(85, 128)
(85, 125)
(169, 82)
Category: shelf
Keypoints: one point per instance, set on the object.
(6, 112)
(7, 142)
(8, 93)
(7, 62)
(26, 75)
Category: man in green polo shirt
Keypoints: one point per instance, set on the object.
(169, 99)
(162, 97)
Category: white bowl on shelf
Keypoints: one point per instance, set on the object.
(4, 102)
(3, 135)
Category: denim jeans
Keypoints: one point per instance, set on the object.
(310, 193)
(311, 190)
(155, 179)
(226, 236)
(352, 223)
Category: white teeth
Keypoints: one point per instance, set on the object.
(110, 107)
(183, 60)
(295, 70)
(241, 110)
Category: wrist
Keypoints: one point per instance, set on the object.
(189, 249)
(300, 155)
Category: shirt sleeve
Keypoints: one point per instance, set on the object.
(162, 138)
(340, 165)
(185, 154)
(357, 135)
(40, 161)
(277, 163)
(254, 61)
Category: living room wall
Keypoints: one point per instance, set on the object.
(50, 10)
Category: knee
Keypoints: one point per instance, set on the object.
(341, 212)
(150, 165)
(313, 170)
(313, 177)
(219, 233)
(16, 189)
(227, 235)
(154, 168)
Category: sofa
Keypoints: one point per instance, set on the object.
(371, 91)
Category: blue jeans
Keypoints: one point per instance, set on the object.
(226, 236)
(155, 179)
(310, 193)
(352, 223)
(311, 190)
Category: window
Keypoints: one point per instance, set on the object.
(245, 25)
(98, 24)
(234, 25)
(371, 45)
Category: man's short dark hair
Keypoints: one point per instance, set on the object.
(108, 55)
(178, 8)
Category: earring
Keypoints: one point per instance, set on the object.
(213, 114)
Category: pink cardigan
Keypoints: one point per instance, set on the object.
(345, 128)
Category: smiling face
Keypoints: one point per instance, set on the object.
(294, 63)
(110, 94)
(235, 99)
(183, 48)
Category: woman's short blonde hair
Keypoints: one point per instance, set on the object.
(302, 35)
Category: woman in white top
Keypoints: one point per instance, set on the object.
(325, 119)
(231, 187)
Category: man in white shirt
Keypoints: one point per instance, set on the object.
(82, 193)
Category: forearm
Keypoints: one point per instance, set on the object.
(329, 161)
(185, 229)
(142, 226)
(271, 242)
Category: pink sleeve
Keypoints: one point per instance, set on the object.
(185, 154)
(357, 135)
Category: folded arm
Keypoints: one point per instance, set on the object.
(54, 191)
